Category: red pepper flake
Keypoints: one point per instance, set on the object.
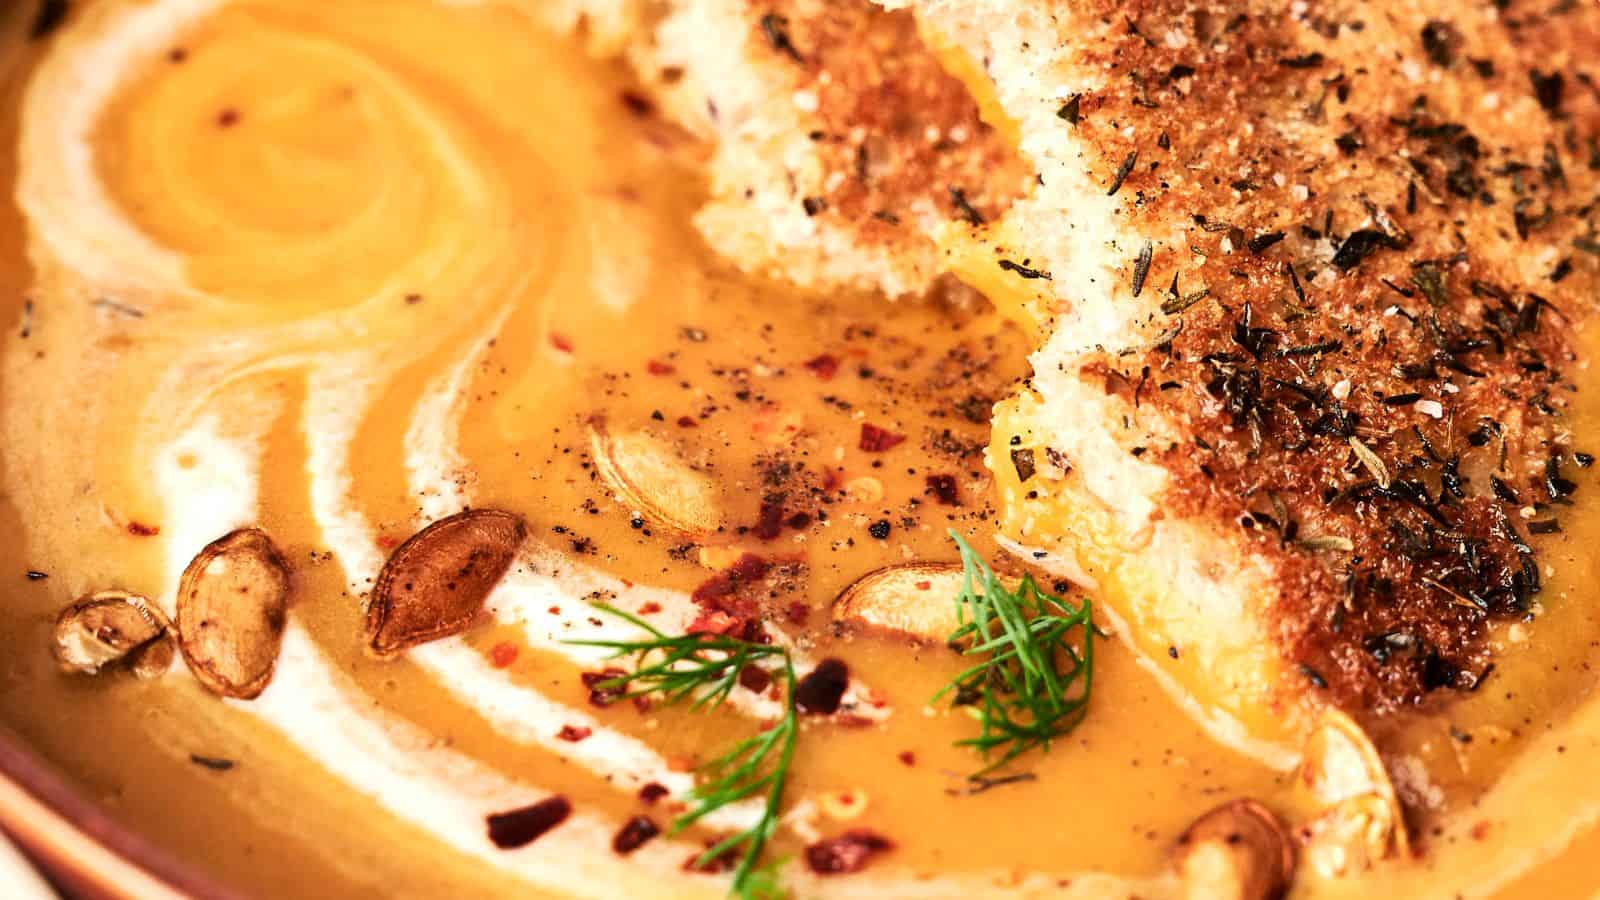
(520, 827)
(228, 118)
(602, 696)
(716, 622)
(830, 480)
(177, 55)
(560, 342)
(388, 541)
(797, 613)
(907, 756)
(798, 521)
(140, 529)
(1480, 830)
(633, 834)
(877, 440)
(503, 654)
(723, 863)
(824, 366)
(555, 610)
(943, 488)
(755, 679)
(637, 103)
(651, 793)
(658, 367)
(748, 567)
(769, 524)
(849, 852)
(924, 585)
(823, 687)
(649, 609)
(687, 422)
(574, 733)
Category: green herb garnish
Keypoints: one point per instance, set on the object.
(703, 669)
(1033, 685)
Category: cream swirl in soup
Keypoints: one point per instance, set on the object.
(339, 270)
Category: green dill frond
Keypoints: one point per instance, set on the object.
(702, 670)
(1033, 681)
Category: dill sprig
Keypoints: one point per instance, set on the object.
(1033, 683)
(702, 670)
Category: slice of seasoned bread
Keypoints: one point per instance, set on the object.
(1309, 275)
(840, 143)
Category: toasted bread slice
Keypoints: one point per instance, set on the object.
(1307, 275)
(840, 143)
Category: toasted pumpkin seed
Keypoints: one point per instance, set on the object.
(1359, 819)
(109, 628)
(1237, 851)
(649, 477)
(435, 584)
(233, 601)
(915, 599)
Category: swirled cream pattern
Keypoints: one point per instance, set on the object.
(277, 247)
(386, 243)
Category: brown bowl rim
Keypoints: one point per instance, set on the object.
(81, 846)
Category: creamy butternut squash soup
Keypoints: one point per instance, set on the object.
(287, 281)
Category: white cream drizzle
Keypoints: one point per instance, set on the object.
(208, 455)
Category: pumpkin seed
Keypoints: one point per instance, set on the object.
(110, 628)
(233, 601)
(1359, 820)
(649, 477)
(1237, 851)
(916, 599)
(434, 584)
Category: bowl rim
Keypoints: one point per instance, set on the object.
(80, 845)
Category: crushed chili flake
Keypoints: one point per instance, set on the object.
(696, 863)
(633, 834)
(140, 529)
(637, 103)
(907, 756)
(560, 342)
(769, 524)
(877, 440)
(687, 422)
(755, 679)
(652, 792)
(825, 366)
(228, 118)
(503, 654)
(943, 488)
(748, 567)
(821, 689)
(797, 613)
(846, 853)
(574, 733)
(658, 367)
(520, 827)
(924, 585)
(649, 608)
(717, 622)
(602, 696)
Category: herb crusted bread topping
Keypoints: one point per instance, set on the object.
(1324, 265)
(840, 145)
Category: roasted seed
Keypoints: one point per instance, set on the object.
(233, 601)
(435, 583)
(112, 627)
